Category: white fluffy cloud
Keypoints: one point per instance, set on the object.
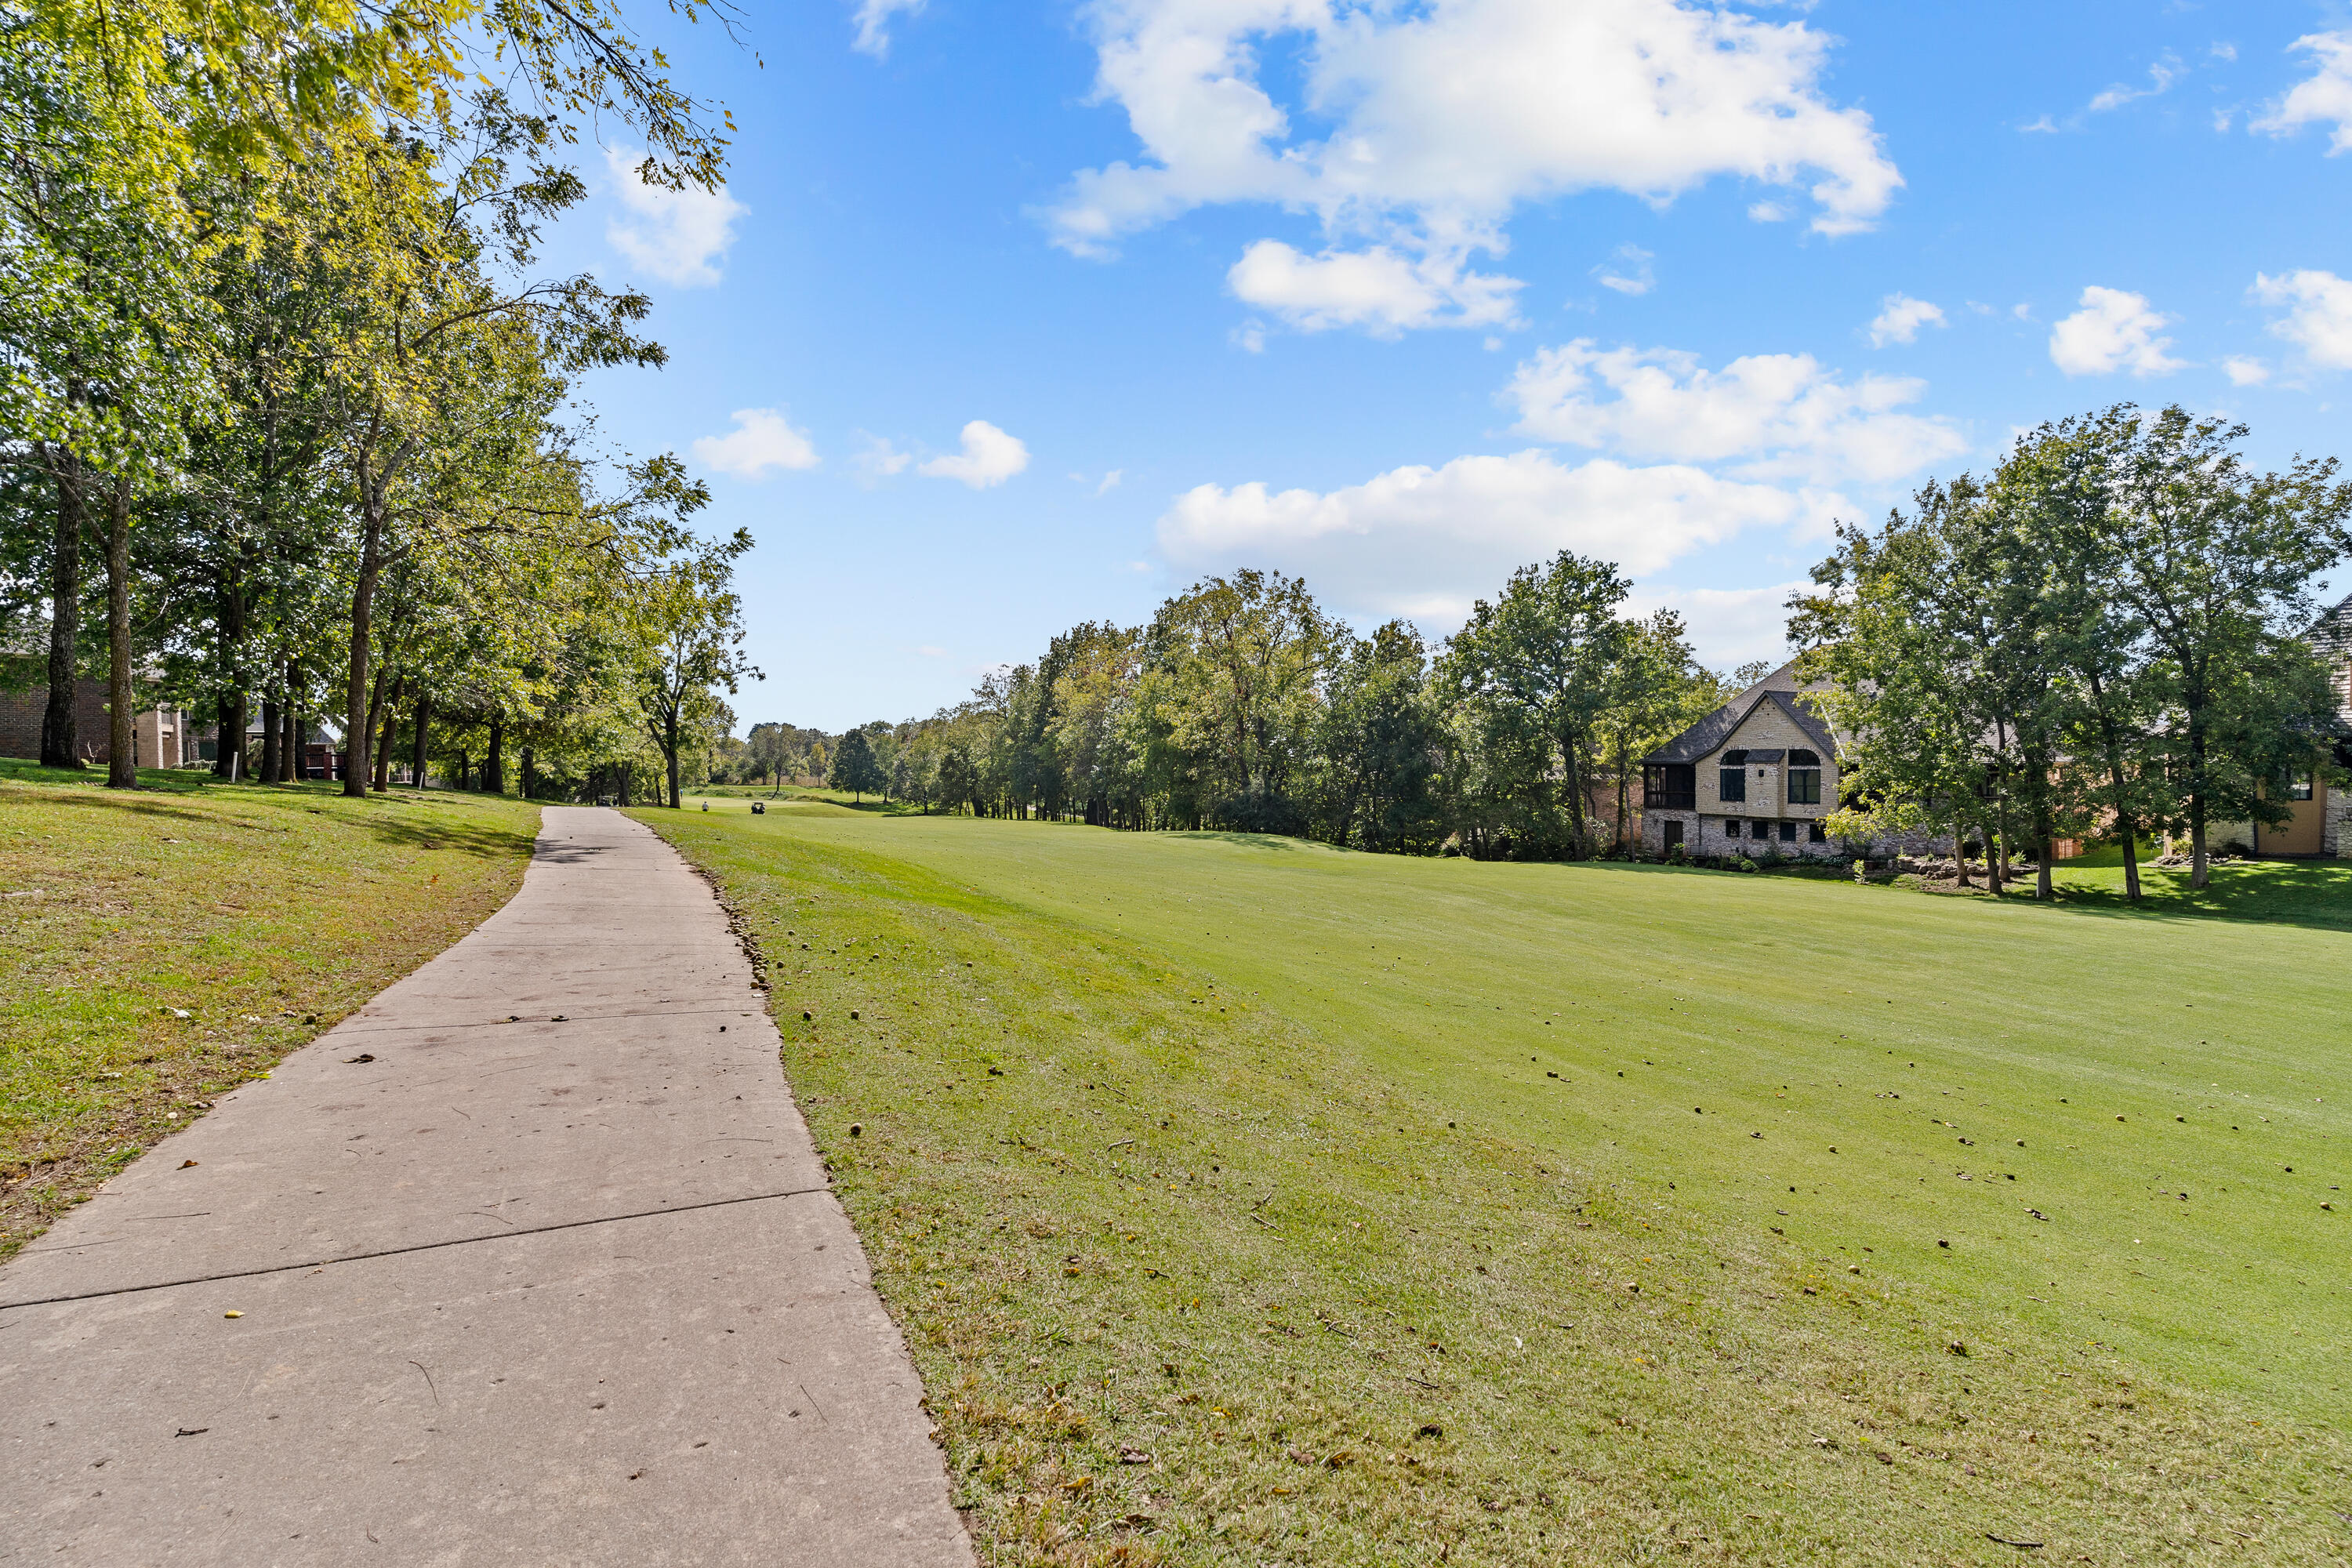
(872, 18)
(2323, 98)
(1899, 319)
(1770, 416)
(1375, 288)
(2243, 370)
(1444, 117)
(1728, 626)
(762, 439)
(989, 457)
(2115, 329)
(2320, 313)
(1425, 541)
(679, 237)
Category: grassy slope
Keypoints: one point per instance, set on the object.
(1246, 1155)
(265, 913)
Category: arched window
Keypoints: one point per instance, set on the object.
(1804, 778)
(1731, 776)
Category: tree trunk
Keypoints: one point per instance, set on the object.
(669, 750)
(416, 748)
(1960, 851)
(369, 712)
(2126, 822)
(2045, 828)
(529, 778)
(2200, 871)
(289, 750)
(270, 740)
(1621, 794)
(1575, 799)
(494, 767)
(61, 747)
(229, 760)
(355, 689)
(121, 765)
(390, 733)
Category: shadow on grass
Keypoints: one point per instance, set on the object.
(1247, 840)
(151, 781)
(2317, 894)
(167, 802)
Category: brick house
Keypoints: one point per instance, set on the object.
(1756, 775)
(159, 737)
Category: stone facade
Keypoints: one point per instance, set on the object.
(1724, 785)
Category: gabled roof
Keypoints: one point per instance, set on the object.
(2332, 633)
(1705, 738)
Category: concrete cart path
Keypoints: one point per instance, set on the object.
(535, 1263)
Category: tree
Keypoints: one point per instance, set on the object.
(1231, 671)
(1900, 676)
(766, 746)
(1544, 648)
(688, 625)
(2216, 560)
(1378, 740)
(855, 768)
(1655, 689)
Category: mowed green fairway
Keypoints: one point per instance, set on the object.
(1855, 1225)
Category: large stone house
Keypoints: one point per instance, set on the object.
(1755, 776)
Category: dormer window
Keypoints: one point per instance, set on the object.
(1731, 776)
(1804, 778)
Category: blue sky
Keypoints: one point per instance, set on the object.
(1013, 317)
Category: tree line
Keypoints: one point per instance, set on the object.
(291, 419)
(1245, 706)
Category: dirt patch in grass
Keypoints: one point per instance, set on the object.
(158, 948)
(1192, 1279)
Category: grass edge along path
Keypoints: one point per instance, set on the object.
(1186, 1285)
(161, 946)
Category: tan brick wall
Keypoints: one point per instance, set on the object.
(1767, 728)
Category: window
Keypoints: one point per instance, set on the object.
(1731, 776)
(1804, 778)
(1816, 834)
(1760, 830)
(2300, 789)
(1788, 833)
(1731, 830)
(1670, 786)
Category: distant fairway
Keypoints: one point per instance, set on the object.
(1284, 1118)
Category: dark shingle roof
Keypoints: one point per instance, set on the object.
(2332, 633)
(1703, 739)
